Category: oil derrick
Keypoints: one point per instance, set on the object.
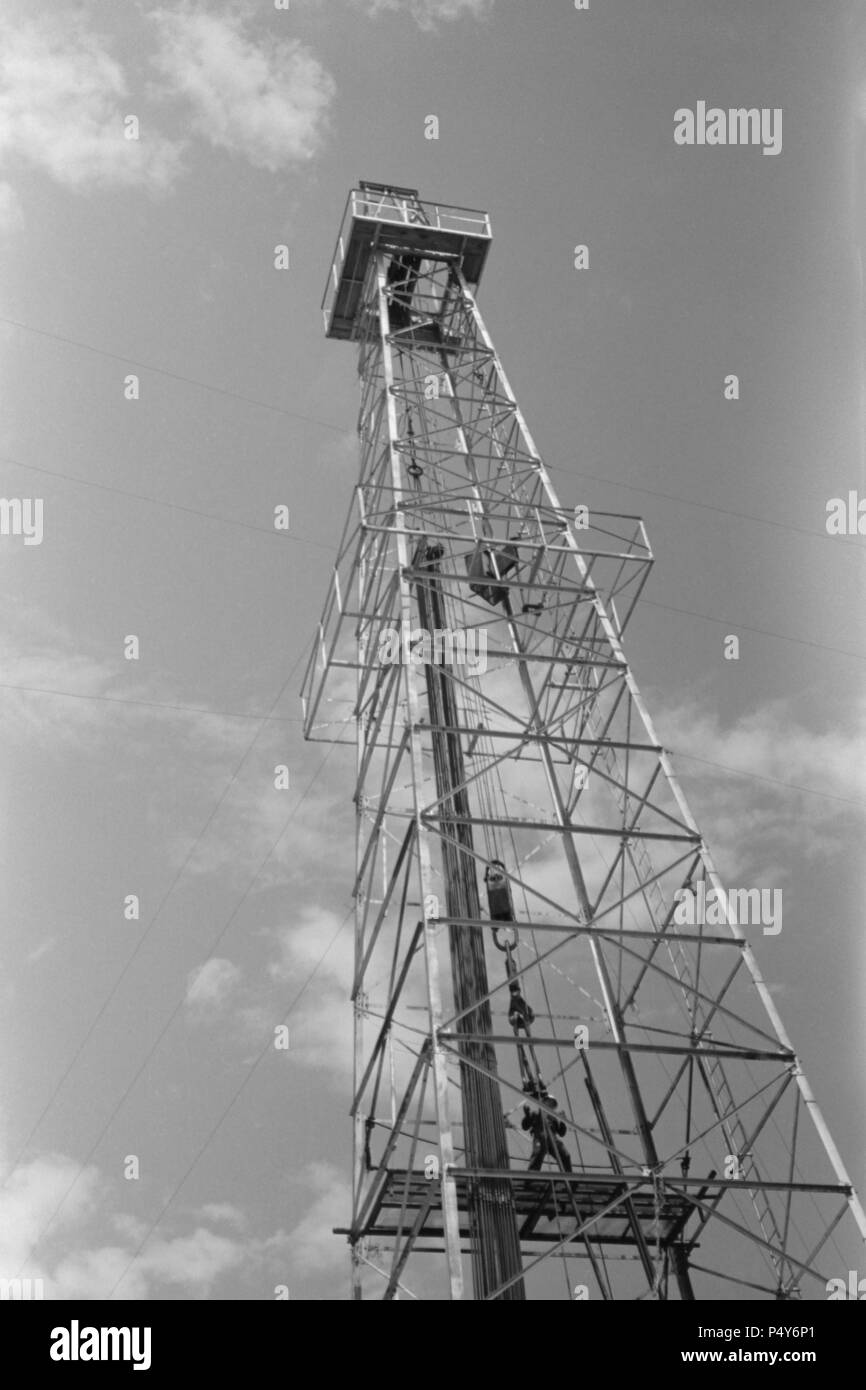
(570, 1077)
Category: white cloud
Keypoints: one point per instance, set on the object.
(427, 13)
(314, 1249)
(316, 954)
(268, 103)
(29, 1198)
(225, 1212)
(771, 742)
(63, 99)
(301, 945)
(130, 1227)
(209, 986)
(754, 822)
(320, 1029)
(41, 656)
(49, 1202)
(192, 1262)
(11, 214)
(259, 831)
(43, 949)
(93, 1274)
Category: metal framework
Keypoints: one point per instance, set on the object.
(520, 799)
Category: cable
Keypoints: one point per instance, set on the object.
(115, 987)
(173, 376)
(214, 944)
(326, 424)
(319, 545)
(761, 632)
(774, 781)
(712, 507)
(173, 506)
(153, 704)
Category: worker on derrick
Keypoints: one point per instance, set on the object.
(520, 1015)
(545, 1126)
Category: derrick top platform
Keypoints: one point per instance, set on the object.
(383, 216)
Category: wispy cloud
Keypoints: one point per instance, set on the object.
(772, 741)
(43, 949)
(63, 98)
(209, 986)
(11, 212)
(756, 819)
(257, 829)
(191, 1263)
(28, 1199)
(224, 1212)
(267, 102)
(315, 1250)
(427, 13)
(51, 1192)
(321, 1025)
(41, 656)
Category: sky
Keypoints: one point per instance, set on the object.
(167, 387)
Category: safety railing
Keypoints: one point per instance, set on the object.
(399, 209)
(392, 207)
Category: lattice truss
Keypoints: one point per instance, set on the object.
(701, 1165)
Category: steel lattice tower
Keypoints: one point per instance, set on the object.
(525, 861)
